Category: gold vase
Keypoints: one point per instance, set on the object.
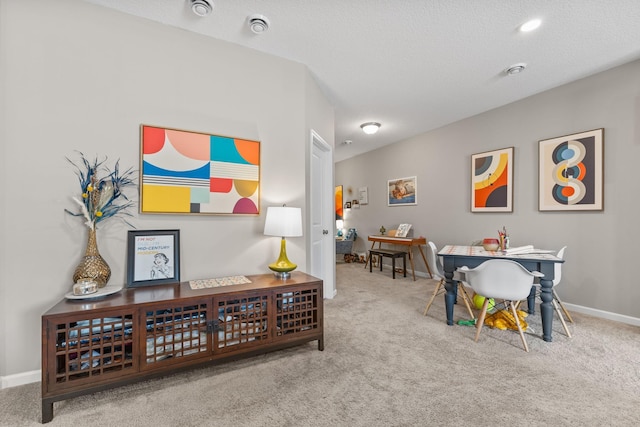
(92, 266)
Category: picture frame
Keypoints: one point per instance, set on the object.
(338, 202)
(492, 181)
(571, 172)
(347, 205)
(355, 204)
(186, 172)
(363, 195)
(403, 230)
(153, 257)
(402, 191)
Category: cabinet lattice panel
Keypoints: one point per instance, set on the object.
(297, 311)
(175, 332)
(242, 321)
(93, 347)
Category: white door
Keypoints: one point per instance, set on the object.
(321, 218)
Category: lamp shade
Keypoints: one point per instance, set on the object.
(283, 221)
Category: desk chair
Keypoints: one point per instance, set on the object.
(501, 279)
(432, 259)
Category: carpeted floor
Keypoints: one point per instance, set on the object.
(384, 364)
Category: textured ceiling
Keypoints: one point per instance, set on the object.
(416, 65)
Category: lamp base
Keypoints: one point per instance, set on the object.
(283, 275)
(282, 268)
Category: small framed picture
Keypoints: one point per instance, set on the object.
(363, 194)
(153, 257)
(347, 205)
(402, 191)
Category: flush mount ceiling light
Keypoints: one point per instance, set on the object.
(258, 24)
(515, 69)
(370, 127)
(201, 7)
(530, 25)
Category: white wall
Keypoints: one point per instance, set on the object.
(602, 246)
(76, 76)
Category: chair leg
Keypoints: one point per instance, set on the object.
(555, 296)
(483, 314)
(517, 319)
(466, 299)
(564, 325)
(433, 297)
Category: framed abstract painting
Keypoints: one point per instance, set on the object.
(571, 172)
(185, 172)
(492, 181)
(338, 203)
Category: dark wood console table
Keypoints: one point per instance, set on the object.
(96, 344)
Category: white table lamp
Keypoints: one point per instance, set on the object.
(283, 221)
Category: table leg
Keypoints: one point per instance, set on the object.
(531, 301)
(424, 258)
(546, 308)
(450, 296)
(413, 270)
(369, 255)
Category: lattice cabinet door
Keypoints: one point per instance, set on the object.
(298, 312)
(90, 348)
(242, 322)
(174, 333)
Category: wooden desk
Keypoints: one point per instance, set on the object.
(411, 242)
(472, 256)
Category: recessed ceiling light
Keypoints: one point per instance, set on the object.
(530, 25)
(258, 24)
(515, 69)
(201, 7)
(370, 127)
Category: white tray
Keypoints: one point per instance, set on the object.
(107, 290)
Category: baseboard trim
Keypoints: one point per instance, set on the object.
(603, 314)
(20, 379)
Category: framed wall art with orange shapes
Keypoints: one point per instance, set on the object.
(571, 172)
(184, 172)
(492, 181)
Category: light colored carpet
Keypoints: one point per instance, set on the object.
(384, 364)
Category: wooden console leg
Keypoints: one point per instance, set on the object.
(47, 411)
(321, 344)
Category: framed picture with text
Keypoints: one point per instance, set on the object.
(153, 257)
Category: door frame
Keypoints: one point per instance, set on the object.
(325, 268)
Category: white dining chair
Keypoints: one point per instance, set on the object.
(501, 279)
(433, 260)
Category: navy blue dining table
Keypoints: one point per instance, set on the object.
(454, 256)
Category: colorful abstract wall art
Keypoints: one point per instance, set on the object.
(492, 181)
(571, 172)
(338, 202)
(196, 173)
